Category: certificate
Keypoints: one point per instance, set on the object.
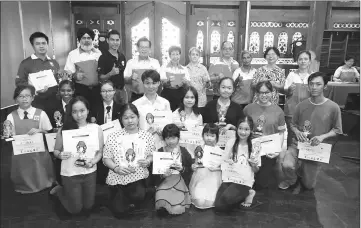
(320, 153)
(50, 141)
(237, 173)
(212, 156)
(109, 128)
(225, 137)
(24, 144)
(132, 150)
(220, 68)
(162, 162)
(268, 144)
(137, 84)
(192, 137)
(42, 79)
(155, 119)
(178, 79)
(82, 143)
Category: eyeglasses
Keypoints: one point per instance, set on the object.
(264, 93)
(143, 48)
(24, 96)
(107, 91)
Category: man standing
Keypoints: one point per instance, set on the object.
(135, 67)
(39, 61)
(82, 63)
(315, 120)
(111, 66)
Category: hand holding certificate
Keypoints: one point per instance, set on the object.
(237, 173)
(175, 79)
(132, 150)
(212, 157)
(24, 144)
(154, 119)
(162, 161)
(319, 153)
(109, 128)
(42, 79)
(269, 144)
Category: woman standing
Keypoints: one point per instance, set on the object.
(296, 89)
(271, 73)
(199, 76)
(346, 72)
(268, 119)
(243, 77)
(128, 154)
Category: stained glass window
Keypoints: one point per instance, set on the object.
(170, 37)
(230, 37)
(138, 31)
(282, 42)
(215, 41)
(267, 40)
(296, 36)
(96, 38)
(200, 39)
(254, 43)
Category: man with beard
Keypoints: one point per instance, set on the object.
(39, 61)
(136, 66)
(82, 63)
(111, 66)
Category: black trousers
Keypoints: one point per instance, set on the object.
(266, 173)
(121, 196)
(230, 195)
(92, 94)
(174, 96)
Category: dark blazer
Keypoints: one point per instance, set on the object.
(52, 108)
(97, 111)
(210, 114)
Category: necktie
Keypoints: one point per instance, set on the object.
(108, 113)
(26, 115)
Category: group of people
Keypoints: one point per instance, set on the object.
(91, 93)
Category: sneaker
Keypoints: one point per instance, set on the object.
(283, 185)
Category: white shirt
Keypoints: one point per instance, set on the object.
(341, 69)
(106, 111)
(134, 64)
(63, 103)
(175, 70)
(245, 75)
(44, 122)
(78, 55)
(191, 120)
(160, 104)
(294, 77)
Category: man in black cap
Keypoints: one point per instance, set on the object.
(82, 64)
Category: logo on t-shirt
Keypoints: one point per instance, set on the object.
(307, 127)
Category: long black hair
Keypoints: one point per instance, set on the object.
(195, 108)
(69, 122)
(249, 121)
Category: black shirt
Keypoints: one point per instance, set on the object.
(105, 65)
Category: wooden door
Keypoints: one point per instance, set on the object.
(209, 27)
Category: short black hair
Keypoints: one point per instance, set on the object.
(22, 87)
(211, 128)
(264, 83)
(272, 48)
(226, 41)
(170, 130)
(82, 31)
(142, 39)
(113, 32)
(125, 107)
(67, 82)
(152, 74)
(226, 78)
(325, 77)
(38, 35)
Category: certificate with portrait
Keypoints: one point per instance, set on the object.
(82, 143)
(109, 128)
(24, 144)
(212, 156)
(225, 137)
(50, 141)
(178, 79)
(162, 162)
(193, 137)
(237, 173)
(132, 150)
(155, 119)
(268, 144)
(137, 84)
(319, 153)
(42, 79)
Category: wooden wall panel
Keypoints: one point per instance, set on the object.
(279, 15)
(11, 50)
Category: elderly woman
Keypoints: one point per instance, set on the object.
(128, 154)
(346, 72)
(223, 67)
(199, 76)
(243, 78)
(174, 77)
(271, 73)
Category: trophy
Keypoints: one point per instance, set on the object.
(222, 118)
(307, 129)
(81, 150)
(176, 155)
(256, 150)
(239, 81)
(183, 119)
(198, 153)
(7, 129)
(57, 118)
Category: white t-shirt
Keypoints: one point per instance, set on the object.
(294, 77)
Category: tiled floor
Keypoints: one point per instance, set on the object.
(333, 204)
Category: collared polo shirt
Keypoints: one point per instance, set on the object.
(106, 63)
